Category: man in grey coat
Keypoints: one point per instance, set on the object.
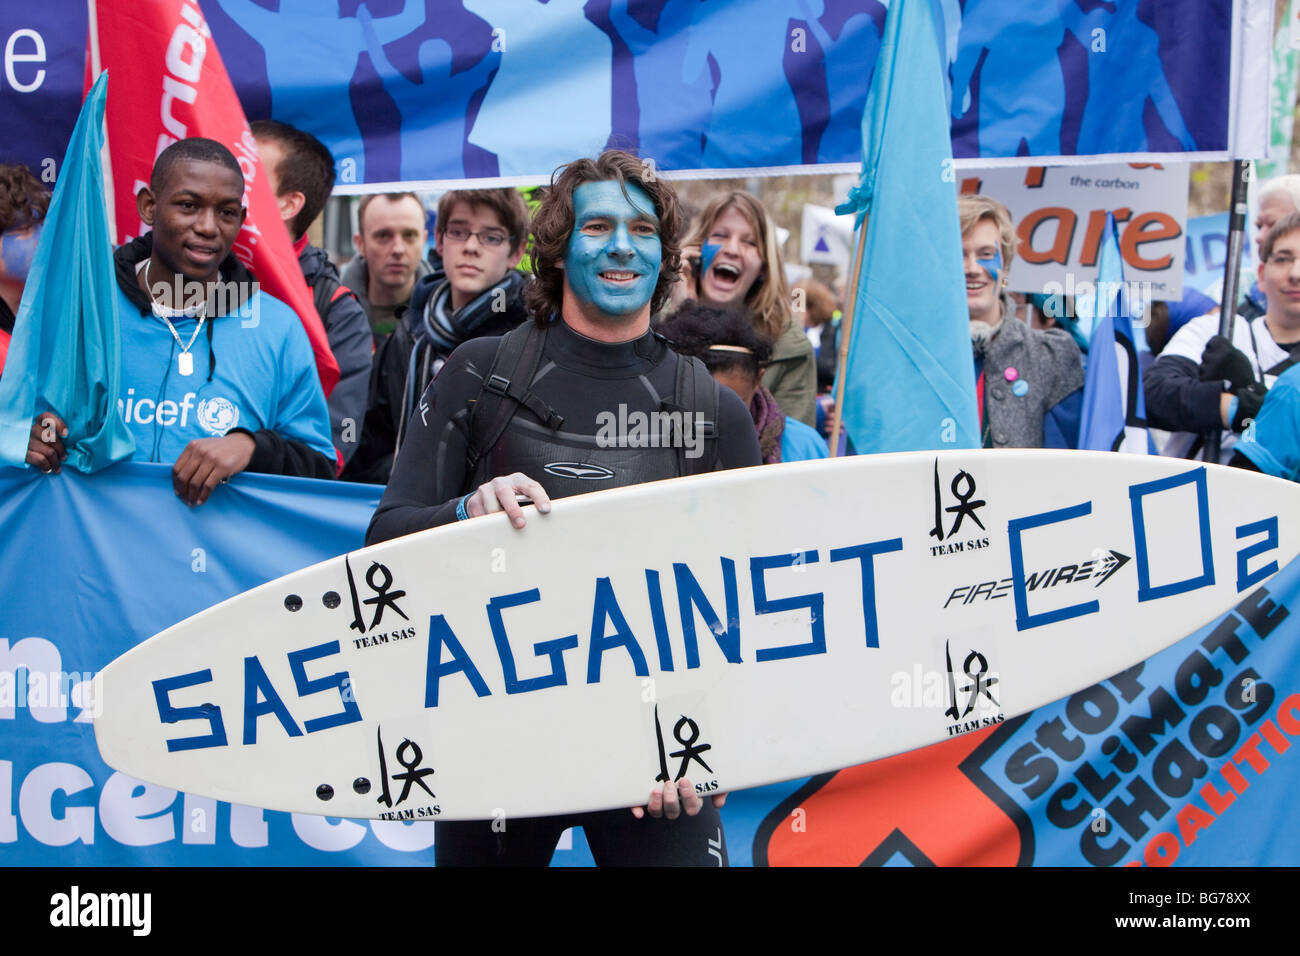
(1021, 372)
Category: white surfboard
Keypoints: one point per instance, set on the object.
(736, 629)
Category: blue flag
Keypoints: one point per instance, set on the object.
(1114, 407)
(66, 353)
(910, 376)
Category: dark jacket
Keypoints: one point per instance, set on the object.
(411, 356)
(348, 330)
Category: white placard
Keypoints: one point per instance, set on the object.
(1060, 216)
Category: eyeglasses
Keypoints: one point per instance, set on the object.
(461, 234)
(1282, 260)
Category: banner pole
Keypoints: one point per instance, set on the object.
(105, 156)
(846, 329)
(1241, 170)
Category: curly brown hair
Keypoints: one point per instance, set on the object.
(553, 224)
(24, 200)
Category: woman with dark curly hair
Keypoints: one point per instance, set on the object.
(725, 340)
(24, 200)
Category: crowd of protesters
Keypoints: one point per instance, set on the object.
(394, 318)
(468, 384)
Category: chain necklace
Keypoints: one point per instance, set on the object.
(184, 361)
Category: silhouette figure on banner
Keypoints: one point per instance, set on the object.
(435, 110)
(849, 57)
(1123, 62)
(755, 120)
(534, 126)
(1021, 85)
(674, 109)
(327, 62)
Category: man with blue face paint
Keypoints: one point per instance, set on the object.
(24, 200)
(612, 263)
(541, 413)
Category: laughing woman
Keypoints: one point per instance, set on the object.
(731, 257)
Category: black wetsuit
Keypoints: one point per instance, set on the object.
(585, 382)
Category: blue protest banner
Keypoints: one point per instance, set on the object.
(1185, 759)
(418, 91)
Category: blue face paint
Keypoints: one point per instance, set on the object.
(17, 252)
(614, 253)
(993, 266)
(707, 252)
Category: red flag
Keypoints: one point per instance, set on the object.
(167, 83)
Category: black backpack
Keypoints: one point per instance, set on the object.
(506, 387)
(324, 290)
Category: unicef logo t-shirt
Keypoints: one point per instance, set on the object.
(217, 415)
(250, 375)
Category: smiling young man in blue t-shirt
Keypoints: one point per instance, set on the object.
(217, 377)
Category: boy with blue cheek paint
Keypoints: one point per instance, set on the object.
(612, 264)
(1022, 374)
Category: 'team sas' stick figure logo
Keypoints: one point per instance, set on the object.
(690, 751)
(963, 489)
(409, 756)
(980, 683)
(383, 597)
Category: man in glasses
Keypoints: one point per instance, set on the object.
(480, 237)
(1202, 381)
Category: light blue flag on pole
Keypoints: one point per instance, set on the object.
(910, 375)
(65, 356)
(1114, 407)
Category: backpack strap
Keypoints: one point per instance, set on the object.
(323, 292)
(506, 387)
(696, 393)
(1293, 358)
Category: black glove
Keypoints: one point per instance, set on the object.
(1221, 362)
(1249, 399)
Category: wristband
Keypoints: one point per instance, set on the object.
(463, 515)
(1232, 410)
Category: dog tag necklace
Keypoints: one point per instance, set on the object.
(185, 360)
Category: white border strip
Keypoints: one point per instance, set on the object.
(495, 182)
(1250, 79)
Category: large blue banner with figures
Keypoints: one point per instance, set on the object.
(1189, 758)
(448, 90)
